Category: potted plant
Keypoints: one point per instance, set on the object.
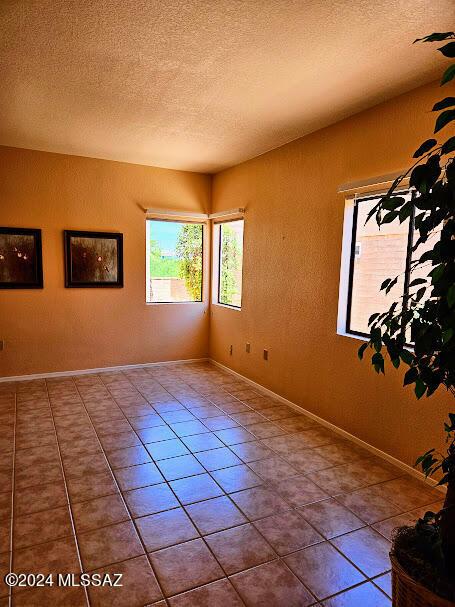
(423, 556)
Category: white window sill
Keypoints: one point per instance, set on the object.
(352, 335)
(173, 303)
(361, 338)
(219, 305)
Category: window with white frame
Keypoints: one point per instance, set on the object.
(228, 263)
(174, 261)
(371, 254)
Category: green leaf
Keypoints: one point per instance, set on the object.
(407, 357)
(424, 456)
(435, 37)
(448, 50)
(395, 362)
(420, 293)
(441, 105)
(436, 273)
(373, 211)
(444, 119)
(448, 75)
(378, 362)
(417, 281)
(406, 210)
(451, 296)
(420, 388)
(376, 333)
(423, 177)
(391, 284)
(373, 318)
(426, 146)
(427, 256)
(390, 204)
(447, 335)
(410, 376)
(444, 480)
(361, 350)
(389, 217)
(448, 146)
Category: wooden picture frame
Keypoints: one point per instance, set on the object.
(21, 258)
(93, 259)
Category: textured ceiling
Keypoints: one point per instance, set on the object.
(201, 84)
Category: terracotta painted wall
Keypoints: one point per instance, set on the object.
(61, 329)
(293, 232)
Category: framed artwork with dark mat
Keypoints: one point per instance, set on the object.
(93, 259)
(21, 258)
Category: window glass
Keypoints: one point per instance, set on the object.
(378, 254)
(423, 270)
(230, 263)
(175, 254)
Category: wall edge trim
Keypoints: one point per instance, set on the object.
(99, 370)
(382, 454)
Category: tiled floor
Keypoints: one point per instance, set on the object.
(197, 489)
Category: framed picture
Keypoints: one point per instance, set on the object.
(93, 259)
(21, 259)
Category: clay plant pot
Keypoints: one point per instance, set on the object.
(406, 592)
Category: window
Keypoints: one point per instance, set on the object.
(376, 254)
(174, 261)
(228, 262)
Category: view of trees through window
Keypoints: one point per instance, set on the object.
(175, 261)
(230, 263)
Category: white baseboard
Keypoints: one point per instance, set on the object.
(99, 370)
(382, 454)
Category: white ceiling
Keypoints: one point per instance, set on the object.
(202, 84)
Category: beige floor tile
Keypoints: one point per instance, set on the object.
(185, 566)
(271, 584)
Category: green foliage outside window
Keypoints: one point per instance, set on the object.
(162, 267)
(189, 253)
(229, 265)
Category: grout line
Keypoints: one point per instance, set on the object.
(247, 520)
(265, 483)
(347, 435)
(183, 506)
(184, 509)
(121, 494)
(13, 481)
(294, 508)
(244, 463)
(70, 509)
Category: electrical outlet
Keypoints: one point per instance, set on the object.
(266, 355)
(248, 347)
(230, 350)
(2, 344)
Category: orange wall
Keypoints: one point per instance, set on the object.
(293, 234)
(62, 329)
(293, 231)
